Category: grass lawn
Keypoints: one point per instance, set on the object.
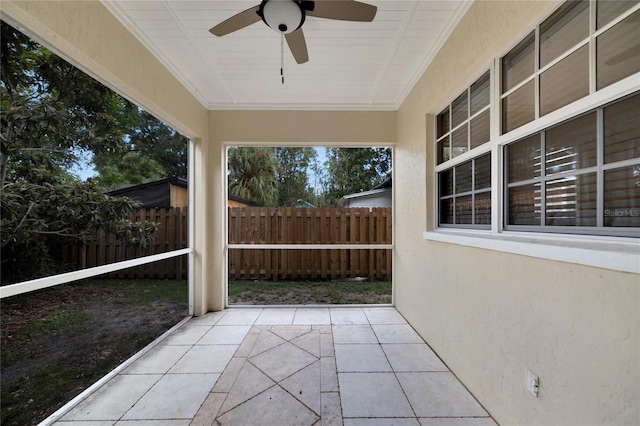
(308, 292)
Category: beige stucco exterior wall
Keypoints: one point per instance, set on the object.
(491, 315)
(87, 35)
(270, 127)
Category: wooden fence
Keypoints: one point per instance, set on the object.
(268, 225)
(106, 249)
(259, 225)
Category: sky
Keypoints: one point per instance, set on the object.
(83, 169)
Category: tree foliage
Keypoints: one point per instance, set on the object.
(256, 173)
(49, 112)
(252, 174)
(153, 151)
(293, 179)
(354, 170)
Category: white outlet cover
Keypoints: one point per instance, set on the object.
(532, 383)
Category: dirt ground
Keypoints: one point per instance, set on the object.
(57, 342)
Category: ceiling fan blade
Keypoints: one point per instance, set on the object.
(237, 22)
(298, 45)
(344, 10)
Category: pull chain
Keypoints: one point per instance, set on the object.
(282, 56)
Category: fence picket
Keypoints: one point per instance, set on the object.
(259, 225)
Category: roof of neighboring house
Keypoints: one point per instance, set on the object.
(151, 194)
(241, 200)
(364, 194)
(386, 184)
(171, 180)
(384, 187)
(302, 204)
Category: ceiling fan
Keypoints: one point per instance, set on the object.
(287, 17)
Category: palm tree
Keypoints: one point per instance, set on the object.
(252, 174)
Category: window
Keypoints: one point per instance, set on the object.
(464, 124)
(577, 171)
(551, 67)
(465, 194)
(583, 173)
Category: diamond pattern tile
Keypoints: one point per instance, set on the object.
(351, 372)
(268, 409)
(282, 361)
(249, 383)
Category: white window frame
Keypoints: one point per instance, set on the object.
(614, 253)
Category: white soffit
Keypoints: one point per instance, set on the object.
(352, 65)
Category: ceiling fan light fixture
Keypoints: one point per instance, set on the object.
(284, 16)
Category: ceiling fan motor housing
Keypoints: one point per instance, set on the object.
(284, 16)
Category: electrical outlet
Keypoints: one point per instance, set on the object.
(532, 383)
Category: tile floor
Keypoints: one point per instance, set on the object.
(291, 366)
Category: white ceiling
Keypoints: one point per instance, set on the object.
(352, 65)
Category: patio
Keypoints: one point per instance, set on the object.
(284, 366)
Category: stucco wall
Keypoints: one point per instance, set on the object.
(491, 315)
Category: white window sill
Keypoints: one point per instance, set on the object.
(618, 254)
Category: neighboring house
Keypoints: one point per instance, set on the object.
(170, 192)
(234, 201)
(379, 196)
(165, 193)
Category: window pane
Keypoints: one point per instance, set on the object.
(524, 159)
(464, 210)
(524, 205)
(446, 211)
(483, 208)
(459, 110)
(518, 64)
(622, 197)
(459, 141)
(483, 172)
(565, 28)
(571, 145)
(607, 10)
(480, 93)
(571, 201)
(442, 122)
(518, 108)
(446, 183)
(622, 130)
(480, 129)
(618, 52)
(464, 178)
(443, 150)
(565, 82)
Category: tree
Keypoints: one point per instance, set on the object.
(153, 151)
(50, 110)
(133, 168)
(252, 174)
(354, 170)
(293, 164)
(37, 216)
